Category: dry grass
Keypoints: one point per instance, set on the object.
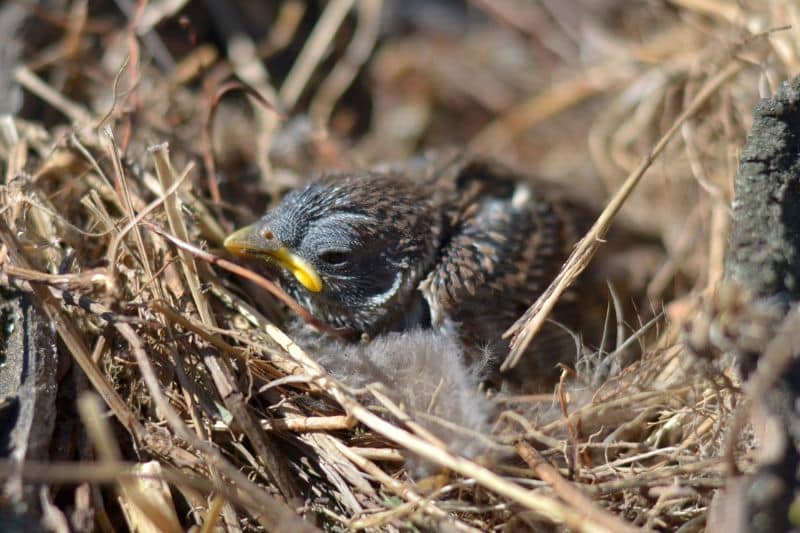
(94, 206)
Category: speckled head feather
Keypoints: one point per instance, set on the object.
(368, 238)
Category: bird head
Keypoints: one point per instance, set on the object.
(349, 248)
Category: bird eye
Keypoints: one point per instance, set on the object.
(334, 257)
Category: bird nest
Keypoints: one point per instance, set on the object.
(132, 142)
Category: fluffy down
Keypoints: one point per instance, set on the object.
(422, 370)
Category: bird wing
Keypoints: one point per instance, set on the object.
(506, 241)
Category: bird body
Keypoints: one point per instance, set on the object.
(466, 246)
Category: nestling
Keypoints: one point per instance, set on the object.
(467, 248)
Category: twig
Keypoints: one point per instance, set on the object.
(503, 130)
(261, 281)
(379, 454)
(568, 492)
(143, 507)
(112, 471)
(312, 51)
(309, 423)
(208, 124)
(343, 74)
(728, 11)
(75, 112)
(402, 489)
(524, 329)
(123, 190)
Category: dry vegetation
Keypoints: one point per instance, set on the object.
(143, 138)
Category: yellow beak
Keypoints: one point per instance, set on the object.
(248, 243)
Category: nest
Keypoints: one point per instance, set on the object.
(132, 143)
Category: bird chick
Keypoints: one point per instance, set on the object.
(467, 249)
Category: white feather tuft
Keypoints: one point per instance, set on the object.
(422, 370)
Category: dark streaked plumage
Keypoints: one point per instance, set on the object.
(466, 248)
(507, 241)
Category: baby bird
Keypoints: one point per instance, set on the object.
(464, 248)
